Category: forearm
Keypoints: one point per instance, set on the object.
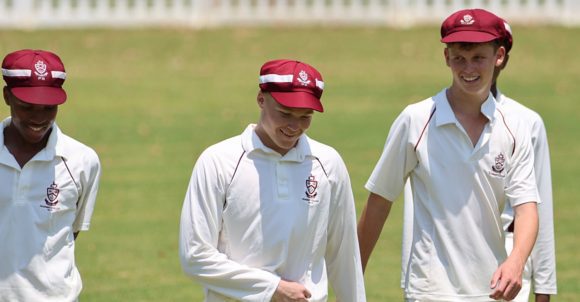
(544, 254)
(542, 298)
(525, 231)
(371, 224)
(214, 271)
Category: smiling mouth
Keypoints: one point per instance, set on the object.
(470, 79)
(287, 135)
(37, 128)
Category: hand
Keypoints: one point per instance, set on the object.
(542, 298)
(290, 292)
(507, 280)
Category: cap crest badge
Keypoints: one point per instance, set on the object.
(303, 78)
(467, 20)
(40, 70)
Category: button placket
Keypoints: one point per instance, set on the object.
(282, 181)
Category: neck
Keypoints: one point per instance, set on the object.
(465, 103)
(494, 90)
(17, 145)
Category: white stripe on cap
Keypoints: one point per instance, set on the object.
(16, 72)
(276, 78)
(320, 84)
(58, 74)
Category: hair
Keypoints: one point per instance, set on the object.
(505, 42)
(469, 45)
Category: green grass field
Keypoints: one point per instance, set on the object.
(149, 101)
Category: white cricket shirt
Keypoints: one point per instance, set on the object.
(41, 206)
(459, 191)
(543, 270)
(543, 257)
(251, 217)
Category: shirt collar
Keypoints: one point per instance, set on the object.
(500, 97)
(252, 143)
(444, 114)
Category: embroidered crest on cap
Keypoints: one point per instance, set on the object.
(467, 20)
(40, 70)
(303, 78)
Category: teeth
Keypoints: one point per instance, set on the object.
(469, 79)
(286, 134)
(36, 128)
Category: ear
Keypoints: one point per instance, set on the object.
(261, 99)
(500, 56)
(6, 94)
(505, 61)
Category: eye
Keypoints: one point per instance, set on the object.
(24, 106)
(457, 59)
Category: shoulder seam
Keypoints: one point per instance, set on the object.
(424, 128)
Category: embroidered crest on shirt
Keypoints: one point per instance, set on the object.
(499, 163)
(52, 195)
(40, 70)
(311, 185)
(303, 78)
(498, 168)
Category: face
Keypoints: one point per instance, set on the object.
(473, 67)
(280, 127)
(31, 122)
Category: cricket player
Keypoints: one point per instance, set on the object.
(48, 186)
(540, 268)
(464, 161)
(269, 214)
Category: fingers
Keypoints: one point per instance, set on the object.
(506, 290)
(495, 285)
(495, 279)
(288, 291)
(498, 289)
(512, 290)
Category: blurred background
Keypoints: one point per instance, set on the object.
(152, 83)
(33, 14)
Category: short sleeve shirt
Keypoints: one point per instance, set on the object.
(459, 191)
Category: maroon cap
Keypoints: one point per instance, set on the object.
(292, 83)
(508, 41)
(35, 76)
(473, 25)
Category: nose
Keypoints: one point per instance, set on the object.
(40, 116)
(470, 66)
(293, 125)
(37, 117)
